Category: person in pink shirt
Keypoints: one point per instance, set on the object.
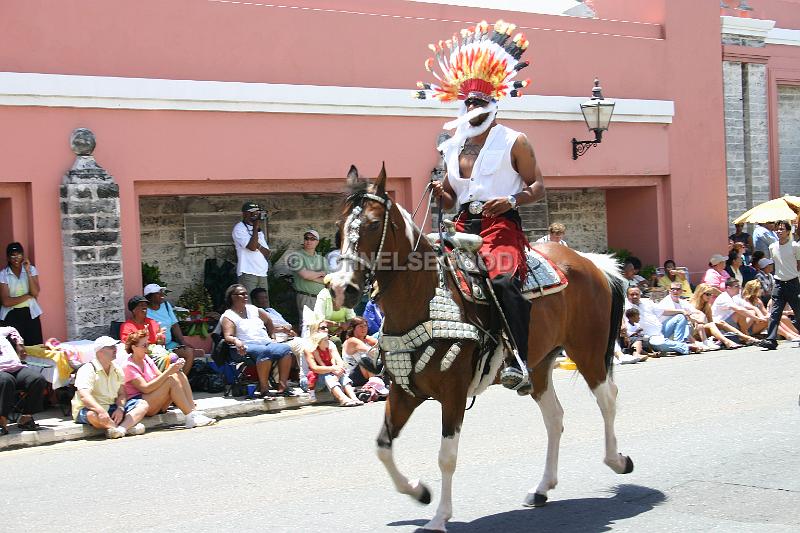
(716, 276)
(159, 389)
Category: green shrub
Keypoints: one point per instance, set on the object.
(196, 298)
(151, 274)
(216, 280)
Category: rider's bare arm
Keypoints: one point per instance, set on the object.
(524, 161)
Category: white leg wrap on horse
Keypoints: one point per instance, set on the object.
(448, 456)
(553, 416)
(606, 395)
(402, 484)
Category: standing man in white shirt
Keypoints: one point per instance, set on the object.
(252, 250)
(786, 255)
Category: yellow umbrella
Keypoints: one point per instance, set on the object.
(784, 208)
(793, 201)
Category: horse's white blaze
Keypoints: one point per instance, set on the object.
(401, 482)
(343, 277)
(553, 416)
(448, 457)
(606, 395)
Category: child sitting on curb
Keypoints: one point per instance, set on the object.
(325, 363)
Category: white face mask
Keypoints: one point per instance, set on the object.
(465, 130)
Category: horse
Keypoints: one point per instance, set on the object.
(583, 319)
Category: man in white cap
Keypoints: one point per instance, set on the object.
(160, 310)
(100, 399)
(308, 270)
(252, 250)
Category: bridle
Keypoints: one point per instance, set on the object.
(353, 232)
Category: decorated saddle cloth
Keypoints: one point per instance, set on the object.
(543, 276)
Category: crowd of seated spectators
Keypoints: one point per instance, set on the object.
(729, 308)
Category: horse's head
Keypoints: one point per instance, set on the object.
(367, 236)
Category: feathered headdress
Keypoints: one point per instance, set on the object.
(480, 63)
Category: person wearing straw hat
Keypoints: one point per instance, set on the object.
(326, 366)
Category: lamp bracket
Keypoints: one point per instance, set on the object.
(581, 147)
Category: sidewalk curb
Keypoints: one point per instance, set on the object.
(71, 431)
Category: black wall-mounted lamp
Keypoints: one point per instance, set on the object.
(597, 113)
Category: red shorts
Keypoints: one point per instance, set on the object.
(504, 245)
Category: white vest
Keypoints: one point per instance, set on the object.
(493, 176)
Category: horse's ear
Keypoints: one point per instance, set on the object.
(380, 183)
(354, 182)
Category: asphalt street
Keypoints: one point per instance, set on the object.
(713, 437)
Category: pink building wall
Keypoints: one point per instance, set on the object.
(666, 182)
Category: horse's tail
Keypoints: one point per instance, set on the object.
(609, 266)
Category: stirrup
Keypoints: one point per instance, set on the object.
(515, 379)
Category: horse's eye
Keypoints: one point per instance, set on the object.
(374, 225)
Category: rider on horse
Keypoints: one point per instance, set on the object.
(491, 169)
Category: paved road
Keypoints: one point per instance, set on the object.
(713, 437)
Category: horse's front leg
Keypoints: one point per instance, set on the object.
(452, 416)
(399, 407)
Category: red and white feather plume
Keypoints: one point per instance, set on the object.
(479, 60)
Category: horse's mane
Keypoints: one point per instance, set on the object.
(355, 196)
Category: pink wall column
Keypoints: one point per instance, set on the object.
(698, 191)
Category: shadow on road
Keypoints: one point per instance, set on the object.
(564, 516)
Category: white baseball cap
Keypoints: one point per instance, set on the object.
(764, 262)
(154, 287)
(104, 342)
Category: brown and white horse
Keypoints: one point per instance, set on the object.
(381, 242)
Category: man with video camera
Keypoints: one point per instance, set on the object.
(252, 250)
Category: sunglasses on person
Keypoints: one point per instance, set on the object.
(476, 102)
(309, 238)
(323, 327)
(674, 289)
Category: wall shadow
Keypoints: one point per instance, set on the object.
(580, 515)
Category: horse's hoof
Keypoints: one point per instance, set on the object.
(425, 496)
(628, 465)
(535, 500)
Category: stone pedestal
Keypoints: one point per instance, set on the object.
(91, 244)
